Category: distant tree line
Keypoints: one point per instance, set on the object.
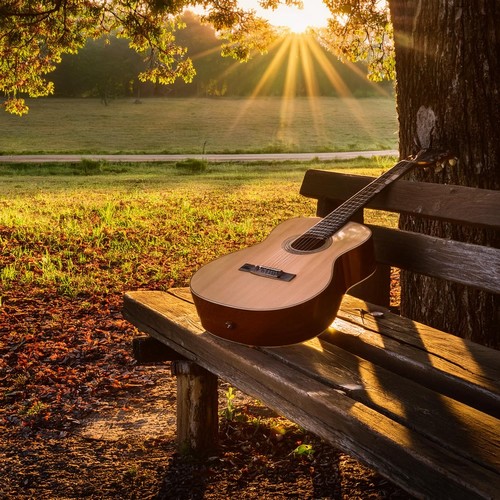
(108, 68)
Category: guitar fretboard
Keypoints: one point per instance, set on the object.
(335, 220)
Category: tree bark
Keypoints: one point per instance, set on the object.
(448, 88)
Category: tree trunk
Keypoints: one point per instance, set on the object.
(448, 88)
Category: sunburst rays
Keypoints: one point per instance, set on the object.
(296, 63)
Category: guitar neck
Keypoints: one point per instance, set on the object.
(335, 220)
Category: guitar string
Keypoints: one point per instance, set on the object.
(336, 220)
(318, 234)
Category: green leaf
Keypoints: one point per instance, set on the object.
(304, 450)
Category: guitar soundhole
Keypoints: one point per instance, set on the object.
(307, 244)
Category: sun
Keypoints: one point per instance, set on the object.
(314, 14)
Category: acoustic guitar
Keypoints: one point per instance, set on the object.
(288, 288)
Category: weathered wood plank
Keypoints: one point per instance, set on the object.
(451, 424)
(457, 367)
(420, 253)
(405, 456)
(464, 263)
(149, 350)
(460, 204)
(451, 365)
(197, 411)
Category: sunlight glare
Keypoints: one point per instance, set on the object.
(314, 14)
(296, 60)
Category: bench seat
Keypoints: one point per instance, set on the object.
(420, 406)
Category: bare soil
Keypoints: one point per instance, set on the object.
(79, 419)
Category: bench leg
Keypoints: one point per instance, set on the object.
(197, 411)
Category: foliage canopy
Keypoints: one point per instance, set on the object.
(35, 34)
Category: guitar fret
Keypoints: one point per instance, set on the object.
(334, 221)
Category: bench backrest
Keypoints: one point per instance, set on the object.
(465, 263)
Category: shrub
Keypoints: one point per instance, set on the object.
(88, 166)
(192, 166)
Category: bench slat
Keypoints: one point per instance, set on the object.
(407, 457)
(439, 257)
(453, 425)
(437, 361)
(459, 204)
(417, 351)
(451, 365)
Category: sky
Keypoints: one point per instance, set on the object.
(314, 13)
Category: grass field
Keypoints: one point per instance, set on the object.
(201, 126)
(131, 226)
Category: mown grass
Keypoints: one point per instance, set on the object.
(201, 126)
(123, 227)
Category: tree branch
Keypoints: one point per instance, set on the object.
(5, 11)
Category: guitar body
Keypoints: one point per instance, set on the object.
(271, 294)
(288, 288)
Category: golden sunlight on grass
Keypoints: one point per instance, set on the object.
(296, 62)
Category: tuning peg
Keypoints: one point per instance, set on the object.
(452, 161)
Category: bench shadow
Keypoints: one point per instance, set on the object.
(256, 460)
(431, 411)
(186, 479)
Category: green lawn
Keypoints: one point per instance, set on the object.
(132, 226)
(201, 125)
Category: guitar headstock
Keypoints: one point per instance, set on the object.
(440, 158)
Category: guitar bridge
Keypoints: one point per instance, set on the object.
(267, 272)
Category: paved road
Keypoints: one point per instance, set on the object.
(208, 157)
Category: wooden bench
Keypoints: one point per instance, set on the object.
(418, 405)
